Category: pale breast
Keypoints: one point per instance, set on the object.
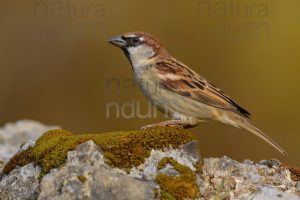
(171, 102)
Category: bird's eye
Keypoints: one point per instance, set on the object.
(135, 40)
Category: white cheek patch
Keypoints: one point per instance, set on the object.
(132, 50)
(140, 54)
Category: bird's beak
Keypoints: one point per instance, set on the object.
(117, 41)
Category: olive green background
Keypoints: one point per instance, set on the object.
(55, 64)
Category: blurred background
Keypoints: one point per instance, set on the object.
(56, 66)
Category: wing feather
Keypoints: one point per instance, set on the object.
(192, 85)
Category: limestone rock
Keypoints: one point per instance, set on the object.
(272, 193)
(86, 176)
(87, 172)
(13, 135)
(186, 155)
(225, 178)
(21, 183)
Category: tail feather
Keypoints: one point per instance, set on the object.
(248, 126)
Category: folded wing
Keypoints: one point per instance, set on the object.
(187, 83)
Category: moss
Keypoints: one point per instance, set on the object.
(177, 187)
(167, 195)
(178, 167)
(82, 178)
(198, 167)
(121, 149)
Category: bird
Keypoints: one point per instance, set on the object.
(177, 90)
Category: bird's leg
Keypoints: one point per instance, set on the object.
(170, 123)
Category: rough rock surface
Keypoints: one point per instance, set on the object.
(271, 193)
(225, 178)
(86, 175)
(22, 183)
(187, 155)
(13, 135)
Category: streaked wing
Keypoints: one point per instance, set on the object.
(187, 83)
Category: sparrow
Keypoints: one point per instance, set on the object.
(178, 91)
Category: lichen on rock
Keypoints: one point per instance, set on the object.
(162, 163)
(182, 186)
(22, 183)
(186, 155)
(121, 149)
(224, 178)
(85, 175)
(13, 135)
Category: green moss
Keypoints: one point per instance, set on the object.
(177, 187)
(198, 167)
(121, 149)
(82, 178)
(167, 195)
(178, 167)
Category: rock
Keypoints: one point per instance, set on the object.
(86, 176)
(21, 183)
(119, 186)
(92, 166)
(226, 178)
(13, 135)
(248, 162)
(298, 186)
(183, 155)
(100, 181)
(271, 193)
(270, 163)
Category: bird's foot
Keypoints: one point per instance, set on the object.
(170, 123)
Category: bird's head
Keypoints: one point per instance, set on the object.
(139, 47)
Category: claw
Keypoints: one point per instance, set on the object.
(164, 124)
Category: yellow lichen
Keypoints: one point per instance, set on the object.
(82, 178)
(179, 187)
(121, 149)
